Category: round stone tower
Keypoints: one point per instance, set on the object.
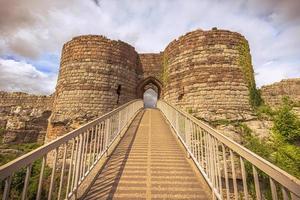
(209, 74)
(96, 75)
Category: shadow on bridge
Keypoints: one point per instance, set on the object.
(106, 183)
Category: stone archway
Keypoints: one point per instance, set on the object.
(149, 82)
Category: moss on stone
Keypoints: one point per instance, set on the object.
(246, 64)
(164, 74)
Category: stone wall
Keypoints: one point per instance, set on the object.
(152, 65)
(27, 100)
(93, 71)
(24, 117)
(204, 74)
(273, 94)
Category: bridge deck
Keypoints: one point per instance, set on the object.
(148, 163)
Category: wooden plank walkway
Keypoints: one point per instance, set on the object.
(148, 163)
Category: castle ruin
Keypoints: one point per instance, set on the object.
(208, 73)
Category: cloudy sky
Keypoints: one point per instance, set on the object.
(32, 32)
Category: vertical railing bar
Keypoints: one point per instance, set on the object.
(188, 133)
(77, 173)
(85, 152)
(101, 139)
(212, 159)
(70, 168)
(225, 171)
(126, 111)
(98, 141)
(256, 183)
(104, 137)
(196, 143)
(62, 170)
(39, 191)
(74, 170)
(7, 187)
(119, 122)
(273, 189)
(81, 166)
(90, 151)
(208, 156)
(233, 175)
(108, 135)
(244, 177)
(177, 122)
(198, 140)
(215, 152)
(193, 135)
(284, 193)
(206, 153)
(219, 168)
(25, 187)
(94, 149)
(85, 160)
(202, 147)
(53, 174)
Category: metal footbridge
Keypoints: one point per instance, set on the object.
(137, 153)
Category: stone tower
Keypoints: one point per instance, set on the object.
(209, 73)
(96, 75)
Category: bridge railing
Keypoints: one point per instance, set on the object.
(231, 170)
(73, 156)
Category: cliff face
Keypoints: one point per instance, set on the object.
(24, 117)
(273, 94)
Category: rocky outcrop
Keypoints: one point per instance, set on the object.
(24, 117)
(273, 94)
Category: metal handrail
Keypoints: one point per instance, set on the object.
(212, 152)
(73, 155)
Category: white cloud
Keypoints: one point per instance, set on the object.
(23, 77)
(32, 28)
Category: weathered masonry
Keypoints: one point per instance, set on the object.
(208, 73)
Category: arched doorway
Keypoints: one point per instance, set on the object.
(149, 89)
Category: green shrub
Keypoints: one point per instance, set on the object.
(265, 112)
(252, 142)
(286, 122)
(19, 177)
